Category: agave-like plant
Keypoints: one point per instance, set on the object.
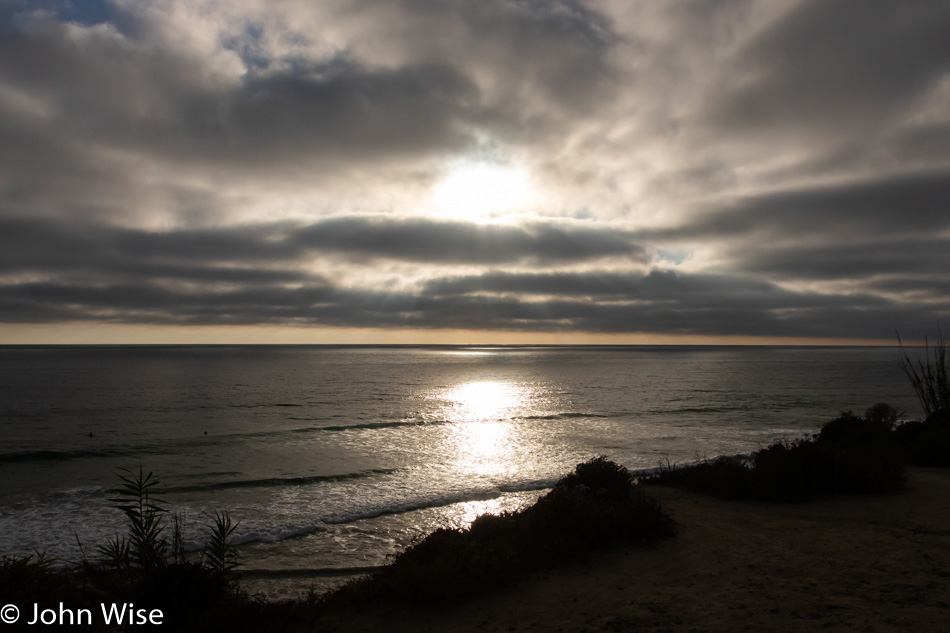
(930, 377)
(115, 553)
(221, 554)
(145, 514)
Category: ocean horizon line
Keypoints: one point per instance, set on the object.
(484, 346)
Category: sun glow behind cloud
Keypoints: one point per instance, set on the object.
(479, 191)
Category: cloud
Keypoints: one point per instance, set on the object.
(655, 303)
(657, 287)
(855, 262)
(36, 246)
(742, 166)
(146, 96)
(845, 236)
(906, 204)
(462, 242)
(131, 84)
(825, 68)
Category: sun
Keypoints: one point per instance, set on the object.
(481, 191)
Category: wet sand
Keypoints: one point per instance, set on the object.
(871, 563)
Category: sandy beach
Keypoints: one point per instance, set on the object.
(866, 563)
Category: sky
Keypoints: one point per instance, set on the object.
(474, 171)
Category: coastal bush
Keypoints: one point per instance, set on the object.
(848, 455)
(191, 596)
(927, 442)
(184, 592)
(25, 579)
(876, 467)
(727, 477)
(875, 426)
(882, 415)
(599, 473)
(595, 507)
(793, 471)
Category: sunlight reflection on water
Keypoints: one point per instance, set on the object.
(461, 515)
(485, 401)
(484, 439)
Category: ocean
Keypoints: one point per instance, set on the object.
(333, 458)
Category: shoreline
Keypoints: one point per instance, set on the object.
(876, 563)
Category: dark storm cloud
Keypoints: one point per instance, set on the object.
(666, 301)
(933, 288)
(110, 90)
(922, 257)
(131, 88)
(914, 204)
(926, 142)
(831, 67)
(655, 286)
(717, 307)
(551, 51)
(658, 288)
(37, 246)
(44, 175)
(858, 234)
(462, 242)
(97, 81)
(560, 47)
(343, 109)
(228, 253)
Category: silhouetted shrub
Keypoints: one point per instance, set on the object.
(32, 579)
(876, 467)
(599, 474)
(595, 507)
(882, 415)
(927, 442)
(727, 477)
(875, 426)
(849, 455)
(183, 590)
(793, 471)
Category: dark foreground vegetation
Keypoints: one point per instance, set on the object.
(145, 567)
(851, 454)
(595, 507)
(189, 596)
